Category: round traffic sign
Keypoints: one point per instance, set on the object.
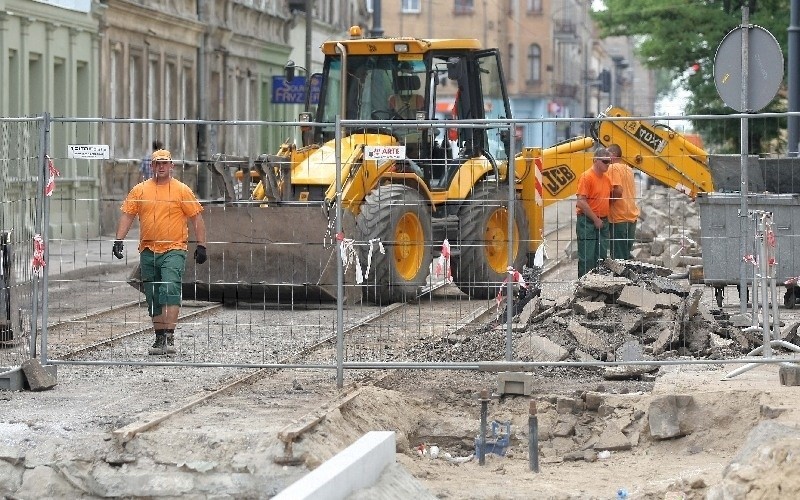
(764, 68)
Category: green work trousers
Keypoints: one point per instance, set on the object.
(592, 243)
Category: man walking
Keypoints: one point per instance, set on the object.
(623, 212)
(163, 205)
(591, 226)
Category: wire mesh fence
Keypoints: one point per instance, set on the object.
(273, 259)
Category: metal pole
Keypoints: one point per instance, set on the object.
(482, 438)
(203, 180)
(309, 23)
(41, 208)
(794, 78)
(338, 227)
(762, 267)
(533, 438)
(511, 271)
(743, 152)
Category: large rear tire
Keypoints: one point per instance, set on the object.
(481, 264)
(400, 218)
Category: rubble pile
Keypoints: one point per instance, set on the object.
(668, 232)
(629, 311)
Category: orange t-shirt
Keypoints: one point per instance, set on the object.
(597, 191)
(623, 209)
(162, 210)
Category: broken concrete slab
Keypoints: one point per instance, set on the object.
(588, 308)
(585, 337)
(609, 285)
(635, 372)
(670, 286)
(639, 297)
(612, 439)
(544, 349)
(630, 351)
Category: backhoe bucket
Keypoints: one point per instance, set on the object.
(274, 254)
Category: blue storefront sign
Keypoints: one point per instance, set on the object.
(293, 92)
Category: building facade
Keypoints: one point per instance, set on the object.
(552, 56)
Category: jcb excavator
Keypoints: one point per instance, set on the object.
(403, 190)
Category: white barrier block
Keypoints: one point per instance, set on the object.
(357, 466)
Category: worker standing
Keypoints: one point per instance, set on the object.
(163, 205)
(623, 212)
(591, 226)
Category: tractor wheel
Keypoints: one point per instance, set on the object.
(399, 217)
(481, 264)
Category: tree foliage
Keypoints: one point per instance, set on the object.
(675, 34)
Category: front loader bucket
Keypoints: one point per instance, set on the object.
(273, 253)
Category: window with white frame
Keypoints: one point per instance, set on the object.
(410, 6)
(534, 6)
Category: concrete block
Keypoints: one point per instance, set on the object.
(11, 379)
(789, 374)
(514, 383)
(37, 377)
(357, 466)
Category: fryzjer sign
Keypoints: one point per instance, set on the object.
(293, 91)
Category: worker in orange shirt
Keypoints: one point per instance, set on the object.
(164, 206)
(623, 212)
(591, 226)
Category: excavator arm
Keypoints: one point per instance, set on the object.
(656, 150)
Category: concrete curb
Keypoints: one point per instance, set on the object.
(357, 466)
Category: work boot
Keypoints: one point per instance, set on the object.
(160, 345)
(171, 343)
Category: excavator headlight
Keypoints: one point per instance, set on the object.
(401, 47)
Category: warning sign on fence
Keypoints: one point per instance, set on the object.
(88, 151)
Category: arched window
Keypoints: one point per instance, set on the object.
(534, 63)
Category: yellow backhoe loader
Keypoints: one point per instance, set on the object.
(403, 189)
